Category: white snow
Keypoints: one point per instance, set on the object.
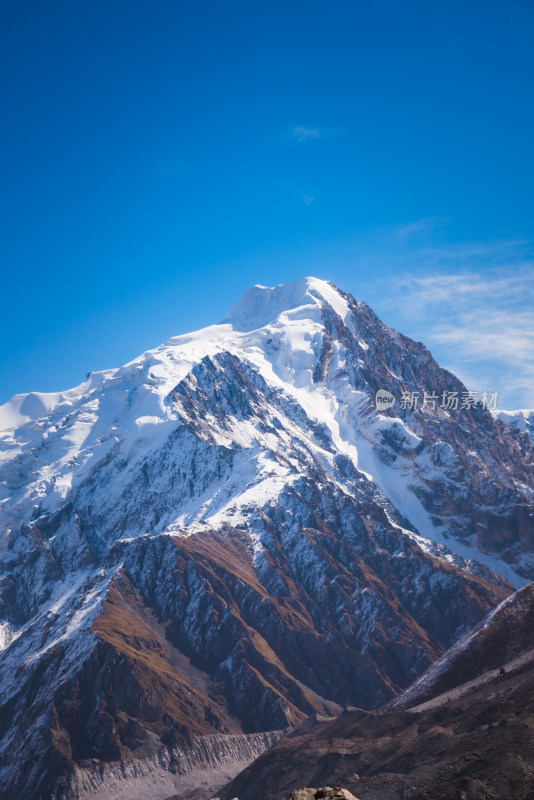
(523, 419)
(261, 305)
(52, 444)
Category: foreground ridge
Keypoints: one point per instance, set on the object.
(463, 730)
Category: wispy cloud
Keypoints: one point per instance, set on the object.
(418, 229)
(486, 322)
(472, 303)
(301, 134)
(308, 199)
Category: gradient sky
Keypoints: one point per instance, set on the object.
(158, 158)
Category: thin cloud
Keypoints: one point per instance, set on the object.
(418, 229)
(301, 134)
(308, 199)
(484, 322)
(493, 285)
(471, 303)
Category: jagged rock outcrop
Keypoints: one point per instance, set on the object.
(522, 419)
(325, 793)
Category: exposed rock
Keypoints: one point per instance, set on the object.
(326, 793)
(502, 637)
(474, 740)
(178, 769)
(523, 420)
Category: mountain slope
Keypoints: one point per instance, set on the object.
(523, 420)
(312, 372)
(504, 636)
(185, 540)
(471, 737)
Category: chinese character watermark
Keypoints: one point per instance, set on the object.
(447, 400)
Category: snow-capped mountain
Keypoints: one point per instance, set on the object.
(185, 540)
(522, 419)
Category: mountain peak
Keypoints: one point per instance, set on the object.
(262, 305)
(215, 517)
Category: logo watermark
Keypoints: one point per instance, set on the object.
(384, 399)
(449, 401)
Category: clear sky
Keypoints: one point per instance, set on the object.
(158, 158)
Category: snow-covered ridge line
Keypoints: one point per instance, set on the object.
(522, 419)
(52, 445)
(206, 519)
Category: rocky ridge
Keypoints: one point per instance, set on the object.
(325, 793)
(522, 419)
(463, 730)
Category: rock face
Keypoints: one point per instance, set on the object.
(444, 738)
(326, 793)
(210, 761)
(225, 536)
(504, 636)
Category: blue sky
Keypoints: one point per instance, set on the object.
(160, 158)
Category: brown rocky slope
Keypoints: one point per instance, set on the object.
(475, 740)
